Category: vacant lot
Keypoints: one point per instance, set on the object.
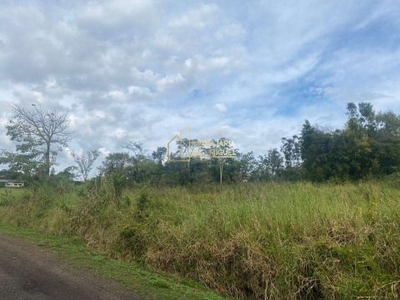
(251, 241)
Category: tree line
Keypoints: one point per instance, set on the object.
(366, 147)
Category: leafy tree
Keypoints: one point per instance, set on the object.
(8, 174)
(176, 172)
(129, 168)
(360, 133)
(221, 154)
(141, 168)
(114, 168)
(199, 171)
(183, 151)
(247, 166)
(270, 165)
(362, 118)
(36, 132)
(26, 164)
(322, 153)
(137, 149)
(159, 155)
(291, 149)
(387, 142)
(367, 146)
(68, 173)
(115, 163)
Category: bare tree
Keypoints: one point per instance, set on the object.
(85, 162)
(37, 131)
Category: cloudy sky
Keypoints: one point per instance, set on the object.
(251, 71)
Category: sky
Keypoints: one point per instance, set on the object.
(145, 70)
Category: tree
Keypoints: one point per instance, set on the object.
(115, 163)
(37, 131)
(9, 174)
(142, 167)
(323, 154)
(360, 134)
(137, 149)
(22, 163)
(270, 166)
(388, 142)
(291, 149)
(68, 173)
(159, 155)
(221, 153)
(114, 167)
(367, 146)
(247, 165)
(85, 162)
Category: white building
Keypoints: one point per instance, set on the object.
(12, 183)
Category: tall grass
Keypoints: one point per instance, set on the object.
(249, 241)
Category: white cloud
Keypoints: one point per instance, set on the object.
(220, 107)
(169, 82)
(198, 17)
(117, 95)
(363, 76)
(214, 63)
(120, 133)
(388, 11)
(273, 64)
(104, 151)
(116, 11)
(141, 92)
(231, 31)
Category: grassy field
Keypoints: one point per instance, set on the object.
(249, 241)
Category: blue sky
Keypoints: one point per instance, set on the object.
(251, 71)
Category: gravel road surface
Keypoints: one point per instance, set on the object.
(29, 272)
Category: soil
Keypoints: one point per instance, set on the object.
(29, 272)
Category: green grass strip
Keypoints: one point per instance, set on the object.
(132, 276)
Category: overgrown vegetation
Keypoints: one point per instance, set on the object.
(248, 241)
(133, 276)
(366, 147)
(273, 233)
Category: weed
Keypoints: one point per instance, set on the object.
(248, 241)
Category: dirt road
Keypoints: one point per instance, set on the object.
(28, 272)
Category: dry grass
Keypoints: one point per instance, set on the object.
(250, 241)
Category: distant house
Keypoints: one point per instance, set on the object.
(12, 183)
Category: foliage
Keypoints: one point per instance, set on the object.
(274, 240)
(249, 241)
(36, 131)
(270, 166)
(135, 277)
(159, 155)
(366, 147)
